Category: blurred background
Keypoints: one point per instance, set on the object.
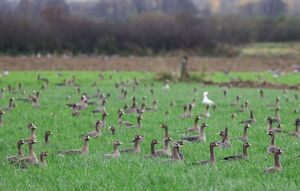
(143, 26)
(213, 28)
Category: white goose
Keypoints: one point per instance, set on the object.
(207, 101)
(166, 85)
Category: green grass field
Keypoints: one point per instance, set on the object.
(137, 172)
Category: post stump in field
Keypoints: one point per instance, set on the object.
(184, 75)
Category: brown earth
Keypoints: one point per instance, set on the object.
(152, 64)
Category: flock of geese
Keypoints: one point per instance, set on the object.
(171, 149)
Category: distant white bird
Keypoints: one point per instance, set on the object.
(166, 85)
(207, 101)
(5, 73)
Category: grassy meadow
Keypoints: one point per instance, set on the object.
(137, 172)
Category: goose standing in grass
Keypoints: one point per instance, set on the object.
(272, 145)
(212, 159)
(166, 128)
(225, 91)
(84, 150)
(244, 107)
(39, 78)
(101, 108)
(72, 81)
(43, 163)
(237, 101)
(103, 120)
(206, 113)
(196, 124)
(121, 122)
(137, 147)
(176, 153)
(139, 112)
(144, 107)
(185, 112)
(116, 152)
(207, 101)
(153, 152)
(75, 110)
(20, 154)
(152, 92)
(166, 85)
(270, 125)
(133, 105)
(189, 111)
(233, 116)
(277, 103)
(277, 118)
(46, 137)
(261, 93)
(296, 133)
(277, 165)
(1, 117)
(35, 99)
(139, 121)
(154, 105)
(172, 104)
(225, 143)
(245, 133)
(167, 150)
(31, 159)
(81, 105)
(112, 129)
(181, 143)
(32, 129)
(120, 115)
(251, 120)
(201, 137)
(97, 132)
(193, 104)
(11, 104)
(245, 155)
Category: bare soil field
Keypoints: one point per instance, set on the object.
(151, 64)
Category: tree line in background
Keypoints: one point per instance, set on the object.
(53, 27)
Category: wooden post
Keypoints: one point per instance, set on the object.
(184, 75)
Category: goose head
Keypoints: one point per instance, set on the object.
(44, 154)
(205, 94)
(117, 143)
(277, 151)
(31, 142)
(98, 122)
(21, 142)
(154, 142)
(204, 125)
(164, 126)
(31, 126)
(246, 144)
(87, 138)
(48, 133)
(138, 138)
(247, 126)
(214, 144)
